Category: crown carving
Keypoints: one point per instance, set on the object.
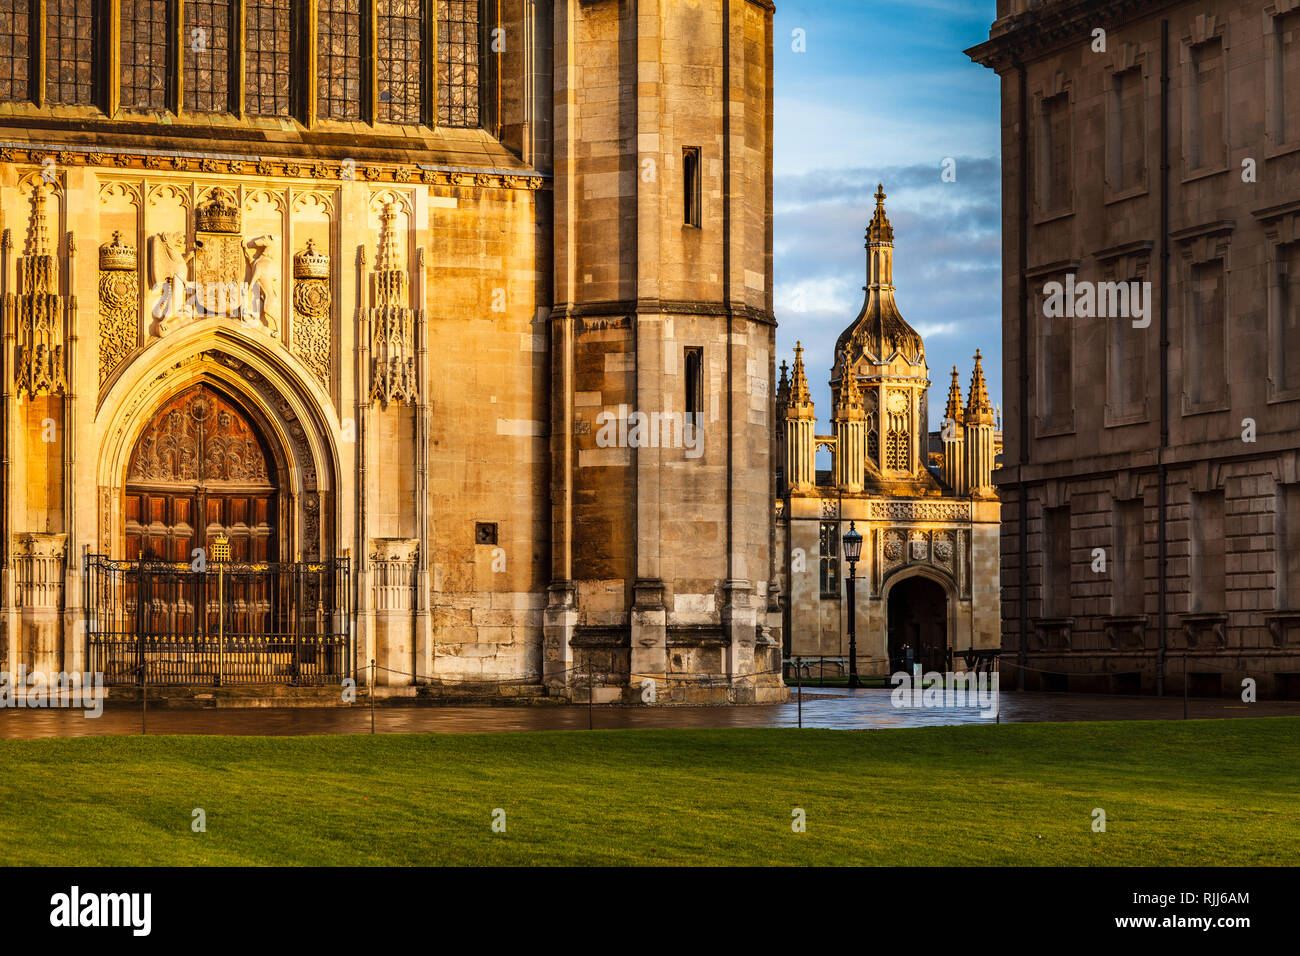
(218, 214)
(117, 256)
(310, 264)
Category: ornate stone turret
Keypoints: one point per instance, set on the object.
(38, 312)
(880, 332)
(953, 434)
(887, 357)
(850, 421)
(392, 322)
(980, 423)
(800, 429)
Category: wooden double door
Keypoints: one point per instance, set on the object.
(200, 469)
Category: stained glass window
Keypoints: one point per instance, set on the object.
(69, 67)
(266, 57)
(458, 62)
(400, 71)
(15, 40)
(144, 54)
(338, 59)
(207, 55)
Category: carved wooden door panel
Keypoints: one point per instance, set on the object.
(200, 469)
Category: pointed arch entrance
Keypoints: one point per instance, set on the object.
(918, 624)
(202, 468)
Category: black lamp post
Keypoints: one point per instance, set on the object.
(852, 551)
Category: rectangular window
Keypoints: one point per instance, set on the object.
(828, 549)
(338, 59)
(1286, 78)
(693, 361)
(1126, 368)
(1129, 568)
(1206, 104)
(691, 191)
(15, 49)
(267, 57)
(401, 61)
(1056, 557)
(458, 63)
(1127, 149)
(145, 59)
(1287, 547)
(1286, 319)
(69, 66)
(1055, 367)
(1209, 572)
(1055, 158)
(207, 55)
(1205, 368)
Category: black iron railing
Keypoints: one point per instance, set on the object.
(166, 623)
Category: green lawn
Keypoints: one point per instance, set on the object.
(1175, 793)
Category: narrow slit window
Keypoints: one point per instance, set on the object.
(691, 185)
(694, 384)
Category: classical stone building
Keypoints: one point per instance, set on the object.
(349, 289)
(1152, 473)
(928, 574)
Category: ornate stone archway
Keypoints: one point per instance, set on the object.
(928, 624)
(288, 412)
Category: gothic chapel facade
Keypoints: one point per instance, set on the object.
(307, 329)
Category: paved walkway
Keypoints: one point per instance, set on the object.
(834, 708)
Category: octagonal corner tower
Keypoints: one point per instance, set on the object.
(663, 343)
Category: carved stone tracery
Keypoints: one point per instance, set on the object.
(311, 305)
(119, 297)
(198, 437)
(38, 312)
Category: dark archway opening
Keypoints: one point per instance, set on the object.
(918, 625)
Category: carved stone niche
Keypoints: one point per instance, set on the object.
(1206, 630)
(1283, 627)
(1126, 632)
(1053, 633)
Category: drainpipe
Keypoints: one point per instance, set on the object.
(1163, 476)
(1022, 572)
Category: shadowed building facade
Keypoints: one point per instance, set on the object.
(927, 580)
(352, 286)
(1151, 344)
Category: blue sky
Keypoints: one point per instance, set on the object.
(884, 94)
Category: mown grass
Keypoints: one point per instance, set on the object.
(1175, 793)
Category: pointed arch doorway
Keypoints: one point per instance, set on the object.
(202, 468)
(918, 621)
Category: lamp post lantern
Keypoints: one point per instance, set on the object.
(852, 551)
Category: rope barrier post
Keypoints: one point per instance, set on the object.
(798, 676)
(372, 695)
(591, 694)
(1186, 681)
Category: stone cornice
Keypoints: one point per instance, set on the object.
(1054, 25)
(312, 170)
(623, 308)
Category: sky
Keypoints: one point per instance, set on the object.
(884, 94)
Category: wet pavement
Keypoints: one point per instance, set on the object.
(831, 708)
